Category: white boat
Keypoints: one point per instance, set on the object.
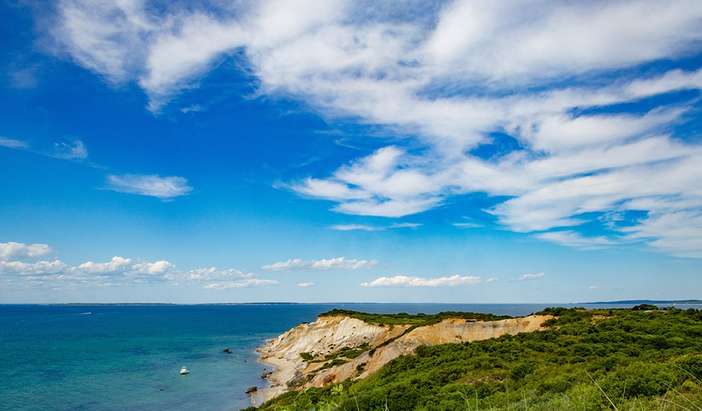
(184, 371)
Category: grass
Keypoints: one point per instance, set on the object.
(586, 360)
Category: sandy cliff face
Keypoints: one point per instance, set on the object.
(336, 348)
(319, 339)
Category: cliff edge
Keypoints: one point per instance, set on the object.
(339, 346)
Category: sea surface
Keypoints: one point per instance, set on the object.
(127, 357)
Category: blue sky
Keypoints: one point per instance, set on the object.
(295, 151)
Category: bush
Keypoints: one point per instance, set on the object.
(521, 371)
(557, 384)
(641, 379)
(307, 356)
(644, 307)
(692, 365)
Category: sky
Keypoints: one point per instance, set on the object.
(408, 151)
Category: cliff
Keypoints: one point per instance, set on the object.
(337, 347)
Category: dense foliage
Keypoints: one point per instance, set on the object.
(412, 319)
(586, 360)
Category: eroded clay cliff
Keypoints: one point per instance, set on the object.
(336, 347)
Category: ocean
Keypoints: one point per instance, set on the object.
(127, 357)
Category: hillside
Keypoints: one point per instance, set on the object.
(342, 345)
(590, 360)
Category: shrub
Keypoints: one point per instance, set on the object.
(644, 307)
(641, 379)
(521, 371)
(692, 365)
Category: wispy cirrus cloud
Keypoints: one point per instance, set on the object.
(405, 225)
(531, 276)
(13, 143)
(245, 281)
(64, 150)
(410, 281)
(368, 227)
(336, 263)
(466, 223)
(355, 227)
(574, 239)
(70, 150)
(165, 188)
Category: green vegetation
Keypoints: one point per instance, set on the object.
(349, 352)
(586, 360)
(346, 353)
(412, 319)
(307, 356)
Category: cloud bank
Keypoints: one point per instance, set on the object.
(19, 264)
(165, 188)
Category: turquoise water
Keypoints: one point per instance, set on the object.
(128, 357)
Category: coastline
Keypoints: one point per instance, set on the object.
(339, 347)
(274, 384)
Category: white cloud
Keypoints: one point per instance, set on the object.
(329, 190)
(563, 132)
(531, 276)
(466, 224)
(156, 267)
(448, 79)
(164, 188)
(305, 284)
(341, 263)
(242, 283)
(216, 278)
(193, 108)
(118, 270)
(12, 143)
(115, 265)
(38, 268)
(13, 250)
(63, 150)
(292, 263)
(405, 225)
(367, 227)
(185, 51)
(408, 281)
(73, 150)
(103, 37)
(674, 232)
(382, 186)
(337, 263)
(573, 239)
(548, 39)
(355, 227)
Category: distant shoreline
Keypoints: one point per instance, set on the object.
(555, 304)
(646, 302)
